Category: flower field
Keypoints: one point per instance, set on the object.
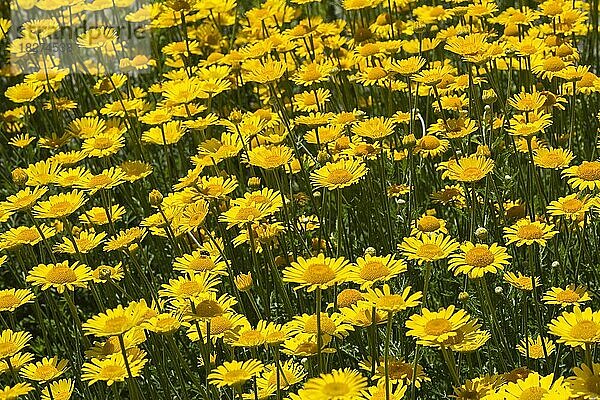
(299, 200)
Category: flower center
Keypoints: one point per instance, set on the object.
(27, 235)
(7, 349)
(339, 176)
(103, 143)
(373, 270)
(208, 309)
(592, 384)
(390, 301)
(100, 180)
(61, 275)
(9, 301)
(327, 325)
(318, 274)
(554, 64)
(568, 296)
(472, 173)
(589, 171)
(348, 297)
(430, 142)
(376, 73)
(201, 264)
(530, 231)
(46, 372)
(438, 326)
(585, 330)
(247, 214)
(572, 205)
(252, 337)
(219, 325)
(60, 207)
(236, 377)
(117, 323)
(428, 223)
(430, 251)
(533, 393)
(111, 372)
(190, 288)
(479, 257)
(334, 389)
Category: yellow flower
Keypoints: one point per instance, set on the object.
(13, 342)
(569, 296)
(372, 269)
(525, 232)
(190, 287)
(384, 300)
(339, 384)
(168, 133)
(428, 248)
(584, 383)
(289, 373)
(235, 373)
(469, 169)
(427, 225)
(340, 174)
(576, 328)
(375, 128)
(11, 299)
(163, 323)
(116, 321)
(317, 272)
(60, 205)
(61, 390)
(270, 157)
(112, 369)
(534, 348)
(584, 176)
(60, 276)
(475, 260)
(13, 392)
(46, 370)
(437, 327)
(85, 241)
(107, 179)
(552, 158)
(98, 215)
(24, 199)
(24, 92)
(534, 386)
(522, 282)
(95, 38)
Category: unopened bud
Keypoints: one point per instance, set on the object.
(463, 296)
(370, 251)
(244, 282)
(155, 197)
(19, 176)
(254, 182)
(489, 96)
(481, 233)
(498, 290)
(555, 264)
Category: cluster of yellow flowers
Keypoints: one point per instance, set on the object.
(299, 199)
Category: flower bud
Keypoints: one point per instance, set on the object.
(244, 282)
(19, 176)
(555, 264)
(155, 198)
(481, 233)
(463, 296)
(370, 251)
(498, 290)
(254, 182)
(489, 96)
